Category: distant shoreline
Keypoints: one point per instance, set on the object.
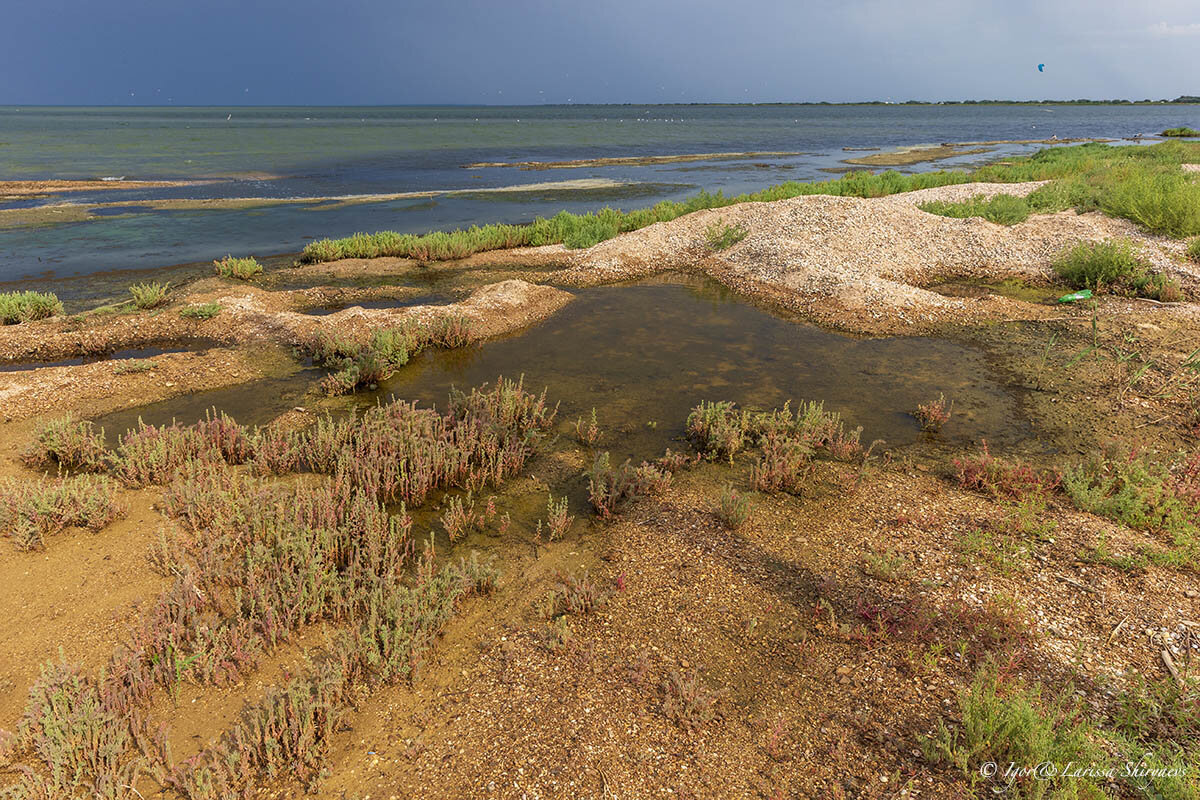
(1183, 100)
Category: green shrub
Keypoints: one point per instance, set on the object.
(721, 236)
(1017, 725)
(1181, 131)
(202, 311)
(1161, 201)
(367, 363)
(611, 488)
(18, 307)
(1142, 494)
(1193, 250)
(1100, 266)
(1003, 209)
(149, 295)
(240, 268)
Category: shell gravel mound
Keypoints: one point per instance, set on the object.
(873, 255)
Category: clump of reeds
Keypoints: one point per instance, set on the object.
(1000, 478)
(934, 415)
(720, 430)
(576, 594)
(688, 702)
(784, 466)
(69, 443)
(134, 366)
(16, 307)
(461, 517)
(149, 295)
(241, 268)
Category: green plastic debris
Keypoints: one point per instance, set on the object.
(1086, 294)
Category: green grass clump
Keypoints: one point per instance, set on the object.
(1166, 202)
(1016, 724)
(149, 295)
(202, 311)
(241, 268)
(1114, 266)
(18, 307)
(1100, 265)
(722, 236)
(357, 364)
(1003, 209)
(1181, 131)
(1143, 494)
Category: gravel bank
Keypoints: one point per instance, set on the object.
(864, 263)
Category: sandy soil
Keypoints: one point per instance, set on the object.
(771, 618)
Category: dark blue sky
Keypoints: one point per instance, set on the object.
(530, 51)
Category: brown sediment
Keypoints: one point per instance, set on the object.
(15, 189)
(58, 214)
(79, 596)
(629, 160)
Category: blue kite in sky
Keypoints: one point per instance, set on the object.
(1041, 67)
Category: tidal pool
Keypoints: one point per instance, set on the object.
(644, 354)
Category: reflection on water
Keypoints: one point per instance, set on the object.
(644, 355)
(255, 403)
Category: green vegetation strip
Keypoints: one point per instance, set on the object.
(1143, 184)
